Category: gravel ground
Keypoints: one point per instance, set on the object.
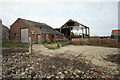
(0, 62)
(0, 66)
(93, 54)
(66, 62)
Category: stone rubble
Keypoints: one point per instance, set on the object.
(25, 65)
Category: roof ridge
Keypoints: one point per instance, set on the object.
(31, 21)
(42, 27)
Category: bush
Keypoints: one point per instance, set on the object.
(57, 45)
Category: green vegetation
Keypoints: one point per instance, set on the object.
(0, 44)
(56, 45)
(6, 43)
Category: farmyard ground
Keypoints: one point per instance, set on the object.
(66, 62)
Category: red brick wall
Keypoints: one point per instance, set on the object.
(115, 31)
(97, 42)
(15, 28)
(18, 24)
(50, 38)
(59, 37)
(55, 38)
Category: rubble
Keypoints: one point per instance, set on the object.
(25, 65)
(113, 58)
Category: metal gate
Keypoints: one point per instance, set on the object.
(24, 35)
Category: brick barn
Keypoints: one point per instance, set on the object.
(115, 34)
(22, 29)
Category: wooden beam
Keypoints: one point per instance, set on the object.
(60, 32)
(30, 45)
(70, 33)
(82, 32)
(88, 31)
(65, 27)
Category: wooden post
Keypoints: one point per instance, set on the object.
(30, 45)
(60, 35)
(82, 32)
(85, 32)
(88, 32)
(70, 33)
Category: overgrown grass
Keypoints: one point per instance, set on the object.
(9, 44)
(56, 45)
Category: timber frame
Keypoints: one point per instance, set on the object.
(70, 25)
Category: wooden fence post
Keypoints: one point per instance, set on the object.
(30, 45)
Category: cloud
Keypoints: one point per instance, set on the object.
(59, 0)
(101, 17)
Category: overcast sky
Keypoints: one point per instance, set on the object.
(101, 16)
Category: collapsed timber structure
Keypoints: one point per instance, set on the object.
(66, 29)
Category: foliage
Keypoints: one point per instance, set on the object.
(6, 43)
(56, 45)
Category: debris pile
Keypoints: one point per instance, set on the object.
(25, 65)
(113, 58)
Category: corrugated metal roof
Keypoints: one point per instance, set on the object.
(72, 23)
(44, 28)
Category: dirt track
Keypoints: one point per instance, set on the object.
(93, 54)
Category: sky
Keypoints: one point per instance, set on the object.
(101, 16)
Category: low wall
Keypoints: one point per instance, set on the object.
(97, 42)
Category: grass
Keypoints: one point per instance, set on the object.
(9, 44)
(0, 42)
(51, 46)
(56, 45)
